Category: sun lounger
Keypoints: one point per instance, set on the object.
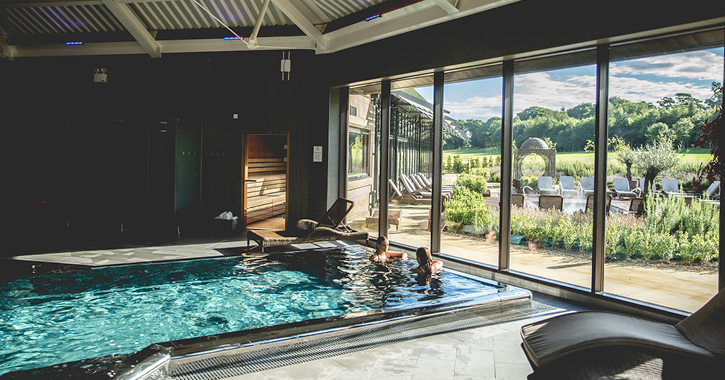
(329, 227)
(546, 186)
(409, 198)
(586, 185)
(670, 187)
(566, 185)
(621, 188)
(710, 192)
(560, 342)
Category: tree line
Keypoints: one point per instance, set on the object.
(638, 124)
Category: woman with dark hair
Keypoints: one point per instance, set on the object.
(382, 254)
(426, 264)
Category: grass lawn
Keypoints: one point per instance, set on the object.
(695, 155)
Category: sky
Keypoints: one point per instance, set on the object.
(646, 79)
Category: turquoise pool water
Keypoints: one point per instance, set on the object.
(58, 318)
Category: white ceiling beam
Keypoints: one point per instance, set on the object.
(446, 6)
(403, 20)
(317, 11)
(129, 20)
(168, 47)
(301, 21)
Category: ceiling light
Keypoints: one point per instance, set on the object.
(234, 38)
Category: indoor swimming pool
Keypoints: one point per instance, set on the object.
(57, 318)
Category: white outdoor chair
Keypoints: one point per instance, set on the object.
(621, 188)
(546, 186)
(566, 185)
(586, 185)
(670, 186)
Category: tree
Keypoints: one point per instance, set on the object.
(711, 135)
(655, 158)
(622, 153)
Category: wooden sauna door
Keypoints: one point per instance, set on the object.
(265, 178)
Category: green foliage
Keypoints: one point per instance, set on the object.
(475, 183)
(448, 166)
(474, 162)
(458, 166)
(483, 172)
(467, 208)
(576, 169)
(531, 181)
(655, 159)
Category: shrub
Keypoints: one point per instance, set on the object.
(458, 166)
(530, 180)
(483, 172)
(474, 162)
(471, 182)
(467, 207)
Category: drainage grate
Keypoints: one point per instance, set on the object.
(358, 339)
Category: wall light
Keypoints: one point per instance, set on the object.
(233, 38)
(74, 43)
(377, 15)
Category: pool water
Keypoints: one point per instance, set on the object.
(58, 318)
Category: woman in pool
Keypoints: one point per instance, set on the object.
(426, 264)
(382, 254)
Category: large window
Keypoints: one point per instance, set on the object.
(472, 164)
(660, 224)
(662, 237)
(553, 168)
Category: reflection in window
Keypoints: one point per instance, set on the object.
(358, 162)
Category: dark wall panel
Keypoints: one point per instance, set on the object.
(107, 168)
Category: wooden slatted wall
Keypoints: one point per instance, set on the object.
(266, 189)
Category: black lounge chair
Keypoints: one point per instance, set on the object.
(599, 344)
(330, 227)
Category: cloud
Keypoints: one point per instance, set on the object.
(477, 107)
(539, 89)
(696, 65)
(637, 90)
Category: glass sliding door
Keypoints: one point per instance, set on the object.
(663, 231)
(472, 164)
(553, 167)
(410, 161)
(362, 152)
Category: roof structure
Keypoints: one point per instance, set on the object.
(414, 104)
(30, 28)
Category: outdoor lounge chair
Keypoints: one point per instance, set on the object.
(641, 187)
(710, 192)
(670, 187)
(635, 206)
(546, 186)
(621, 188)
(409, 198)
(329, 227)
(695, 347)
(518, 200)
(412, 189)
(590, 203)
(551, 201)
(429, 185)
(566, 185)
(586, 185)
